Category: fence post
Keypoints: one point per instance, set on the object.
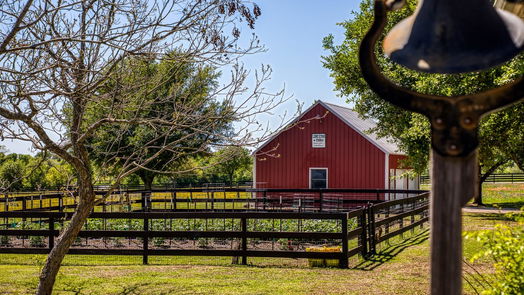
(413, 217)
(265, 200)
(51, 240)
(401, 221)
(371, 223)
(243, 222)
(145, 240)
(386, 226)
(213, 200)
(363, 236)
(60, 202)
(343, 261)
(174, 201)
(321, 198)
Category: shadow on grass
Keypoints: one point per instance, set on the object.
(490, 216)
(390, 252)
(512, 205)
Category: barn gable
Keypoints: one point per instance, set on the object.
(346, 154)
(349, 117)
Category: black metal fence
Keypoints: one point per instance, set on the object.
(236, 234)
(198, 199)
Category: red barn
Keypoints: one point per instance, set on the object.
(329, 146)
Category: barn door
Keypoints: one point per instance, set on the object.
(318, 178)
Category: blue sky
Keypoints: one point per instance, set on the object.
(292, 31)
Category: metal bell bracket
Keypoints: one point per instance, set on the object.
(454, 119)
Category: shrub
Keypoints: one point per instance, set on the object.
(505, 245)
(5, 241)
(159, 242)
(36, 241)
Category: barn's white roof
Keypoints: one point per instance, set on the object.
(352, 119)
(363, 126)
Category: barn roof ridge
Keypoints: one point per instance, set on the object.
(350, 118)
(362, 126)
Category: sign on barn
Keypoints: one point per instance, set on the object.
(330, 146)
(319, 140)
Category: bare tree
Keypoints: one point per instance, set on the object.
(56, 55)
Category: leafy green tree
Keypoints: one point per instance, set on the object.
(501, 134)
(231, 164)
(11, 175)
(168, 87)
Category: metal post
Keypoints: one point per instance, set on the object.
(454, 183)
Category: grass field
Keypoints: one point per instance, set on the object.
(399, 268)
(504, 195)
(509, 195)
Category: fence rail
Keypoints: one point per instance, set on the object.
(235, 199)
(238, 234)
(493, 178)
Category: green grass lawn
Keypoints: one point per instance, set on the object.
(400, 267)
(504, 195)
(510, 195)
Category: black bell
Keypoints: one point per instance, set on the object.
(454, 36)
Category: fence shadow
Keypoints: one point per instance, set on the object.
(391, 251)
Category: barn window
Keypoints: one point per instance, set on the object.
(318, 178)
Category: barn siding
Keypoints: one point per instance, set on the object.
(352, 160)
(395, 162)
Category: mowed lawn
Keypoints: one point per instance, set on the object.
(400, 268)
(504, 195)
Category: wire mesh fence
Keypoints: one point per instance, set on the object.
(323, 238)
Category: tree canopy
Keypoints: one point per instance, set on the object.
(165, 89)
(501, 134)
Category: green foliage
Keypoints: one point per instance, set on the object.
(5, 241)
(11, 174)
(26, 172)
(501, 134)
(230, 164)
(505, 245)
(174, 90)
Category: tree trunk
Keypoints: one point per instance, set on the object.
(482, 178)
(147, 179)
(478, 198)
(66, 239)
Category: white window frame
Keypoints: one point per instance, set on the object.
(319, 168)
